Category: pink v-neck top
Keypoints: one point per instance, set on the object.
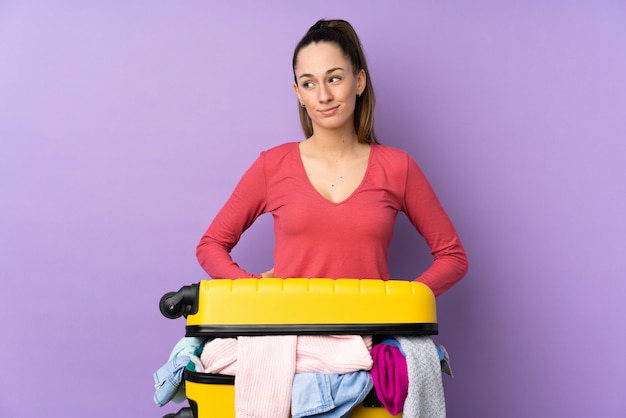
(315, 237)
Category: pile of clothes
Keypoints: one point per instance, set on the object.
(318, 375)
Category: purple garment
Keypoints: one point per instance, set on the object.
(390, 377)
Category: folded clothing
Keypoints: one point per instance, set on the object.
(425, 397)
(328, 395)
(330, 354)
(168, 382)
(256, 361)
(390, 377)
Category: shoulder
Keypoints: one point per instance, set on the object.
(279, 161)
(390, 157)
(396, 164)
(280, 152)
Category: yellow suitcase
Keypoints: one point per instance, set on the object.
(295, 306)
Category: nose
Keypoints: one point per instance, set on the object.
(324, 94)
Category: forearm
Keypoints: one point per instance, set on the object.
(215, 259)
(448, 267)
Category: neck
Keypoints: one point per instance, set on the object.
(335, 142)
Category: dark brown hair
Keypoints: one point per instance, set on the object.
(342, 34)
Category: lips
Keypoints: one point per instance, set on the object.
(328, 112)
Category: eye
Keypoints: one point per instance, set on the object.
(335, 79)
(307, 84)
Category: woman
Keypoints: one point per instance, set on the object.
(335, 195)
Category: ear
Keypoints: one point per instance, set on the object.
(295, 89)
(361, 81)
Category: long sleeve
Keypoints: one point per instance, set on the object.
(244, 206)
(428, 216)
(318, 238)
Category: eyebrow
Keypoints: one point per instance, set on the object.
(327, 72)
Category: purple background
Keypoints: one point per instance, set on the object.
(124, 126)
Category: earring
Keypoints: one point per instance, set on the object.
(302, 105)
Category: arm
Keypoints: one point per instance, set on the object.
(430, 219)
(244, 206)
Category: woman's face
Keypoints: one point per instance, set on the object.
(327, 85)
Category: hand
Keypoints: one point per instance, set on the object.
(268, 274)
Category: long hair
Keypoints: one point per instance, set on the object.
(342, 34)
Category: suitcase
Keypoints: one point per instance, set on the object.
(296, 306)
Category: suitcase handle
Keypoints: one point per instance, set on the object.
(184, 302)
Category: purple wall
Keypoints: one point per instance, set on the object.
(125, 125)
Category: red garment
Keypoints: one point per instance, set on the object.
(315, 237)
